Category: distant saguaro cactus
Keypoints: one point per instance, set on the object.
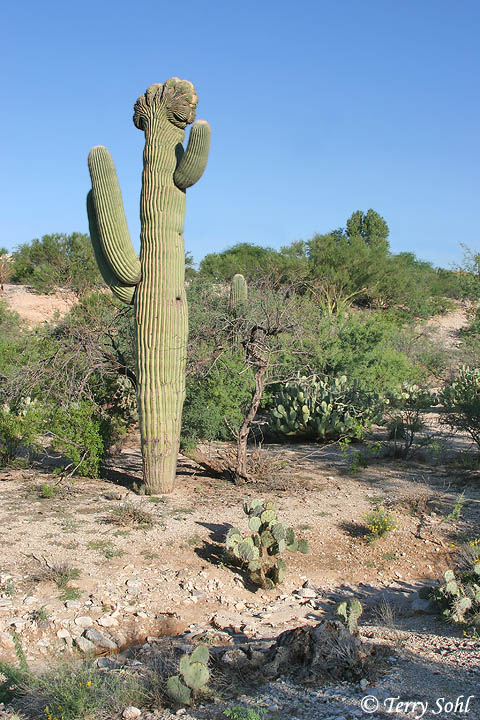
(155, 282)
(238, 292)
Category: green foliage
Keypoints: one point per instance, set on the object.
(350, 612)
(456, 513)
(251, 261)
(241, 712)
(80, 434)
(16, 677)
(461, 403)
(57, 261)
(405, 408)
(79, 375)
(194, 676)
(215, 399)
(458, 596)
(367, 346)
(20, 425)
(259, 552)
(319, 409)
(379, 522)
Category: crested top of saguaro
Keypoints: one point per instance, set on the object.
(174, 100)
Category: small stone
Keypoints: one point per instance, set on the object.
(306, 592)
(133, 584)
(99, 640)
(84, 645)
(72, 604)
(63, 633)
(364, 683)
(131, 712)
(107, 621)
(84, 621)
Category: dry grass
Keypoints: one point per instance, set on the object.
(129, 515)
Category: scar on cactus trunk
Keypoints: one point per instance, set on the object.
(155, 283)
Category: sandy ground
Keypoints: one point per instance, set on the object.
(36, 308)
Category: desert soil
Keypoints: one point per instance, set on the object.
(137, 583)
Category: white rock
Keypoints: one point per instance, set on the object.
(84, 645)
(63, 633)
(100, 640)
(107, 621)
(131, 712)
(84, 621)
(307, 592)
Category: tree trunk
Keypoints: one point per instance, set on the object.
(241, 474)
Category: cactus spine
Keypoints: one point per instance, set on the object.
(155, 283)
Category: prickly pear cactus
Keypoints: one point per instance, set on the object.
(458, 598)
(155, 282)
(259, 552)
(194, 676)
(350, 613)
(317, 408)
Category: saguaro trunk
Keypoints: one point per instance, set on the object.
(161, 311)
(162, 112)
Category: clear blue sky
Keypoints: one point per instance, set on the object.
(317, 109)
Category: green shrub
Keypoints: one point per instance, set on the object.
(461, 403)
(81, 435)
(19, 426)
(259, 551)
(215, 400)
(241, 712)
(57, 260)
(405, 408)
(320, 409)
(379, 522)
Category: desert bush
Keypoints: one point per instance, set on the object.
(379, 522)
(80, 434)
(259, 552)
(57, 261)
(405, 409)
(461, 403)
(70, 690)
(20, 425)
(318, 409)
(216, 397)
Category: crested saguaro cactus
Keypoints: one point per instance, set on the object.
(155, 282)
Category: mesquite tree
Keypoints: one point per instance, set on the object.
(155, 283)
